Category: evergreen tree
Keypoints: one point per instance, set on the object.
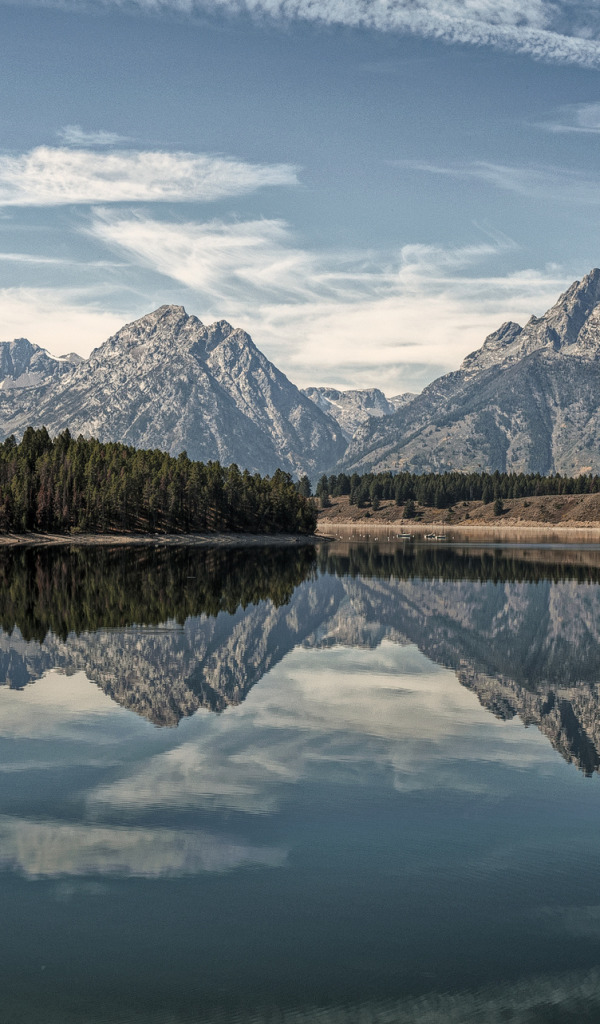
(70, 485)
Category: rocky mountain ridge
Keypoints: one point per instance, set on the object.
(24, 366)
(167, 381)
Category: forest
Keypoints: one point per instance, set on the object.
(68, 485)
(442, 490)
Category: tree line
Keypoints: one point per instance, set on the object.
(70, 485)
(442, 490)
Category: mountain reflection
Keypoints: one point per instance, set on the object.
(166, 632)
(162, 632)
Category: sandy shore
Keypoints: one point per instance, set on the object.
(198, 540)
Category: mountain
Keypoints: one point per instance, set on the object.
(167, 381)
(527, 401)
(352, 409)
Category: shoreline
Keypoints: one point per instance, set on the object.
(198, 540)
(328, 531)
(515, 532)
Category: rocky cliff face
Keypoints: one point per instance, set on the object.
(167, 381)
(527, 401)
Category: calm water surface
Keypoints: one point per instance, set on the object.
(350, 784)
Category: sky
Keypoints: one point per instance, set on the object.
(369, 187)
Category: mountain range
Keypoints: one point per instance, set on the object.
(526, 401)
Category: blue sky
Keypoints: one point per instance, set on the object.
(368, 187)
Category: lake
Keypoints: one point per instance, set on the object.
(350, 783)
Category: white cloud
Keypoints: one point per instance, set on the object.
(35, 260)
(59, 176)
(342, 318)
(544, 29)
(74, 135)
(224, 261)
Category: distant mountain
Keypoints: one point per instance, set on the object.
(351, 409)
(24, 366)
(527, 401)
(167, 381)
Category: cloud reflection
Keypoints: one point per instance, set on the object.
(342, 713)
(53, 850)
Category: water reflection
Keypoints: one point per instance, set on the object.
(161, 632)
(53, 850)
(345, 819)
(165, 633)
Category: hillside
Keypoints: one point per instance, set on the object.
(565, 510)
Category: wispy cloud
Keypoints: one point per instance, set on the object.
(250, 261)
(560, 184)
(351, 319)
(74, 135)
(51, 177)
(215, 258)
(544, 29)
(34, 259)
(574, 117)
